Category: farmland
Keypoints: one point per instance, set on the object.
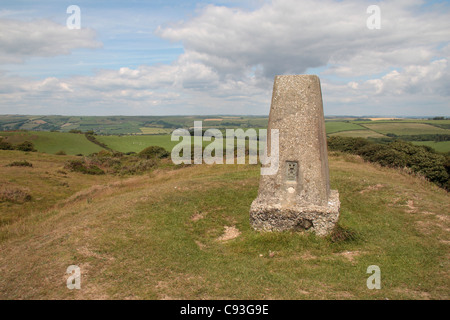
(400, 128)
(132, 134)
(53, 142)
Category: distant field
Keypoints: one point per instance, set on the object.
(52, 142)
(337, 126)
(149, 130)
(400, 128)
(358, 134)
(443, 146)
(136, 143)
(135, 133)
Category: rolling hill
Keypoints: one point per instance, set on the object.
(183, 233)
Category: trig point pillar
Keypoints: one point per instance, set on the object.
(298, 195)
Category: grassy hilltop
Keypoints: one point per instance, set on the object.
(183, 233)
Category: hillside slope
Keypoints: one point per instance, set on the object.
(184, 234)
(52, 142)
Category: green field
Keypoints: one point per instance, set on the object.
(126, 124)
(136, 143)
(134, 133)
(442, 146)
(337, 126)
(147, 130)
(358, 134)
(52, 142)
(400, 128)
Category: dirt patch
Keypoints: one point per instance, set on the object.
(414, 293)
(411, 207)
(200, 245)
(308, 256)
(198, 216)
(372, 188)
(229, 234)
(349, 255)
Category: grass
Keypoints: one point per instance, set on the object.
(137, 143)
(337, 126)
(54, 142)
(46, 181)
(157, 236)
(404, 128)
(149, 130)
(442, 146)
(358, 134)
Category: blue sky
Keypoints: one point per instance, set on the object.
(220, 57)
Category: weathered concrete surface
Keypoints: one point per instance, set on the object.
(298, 196)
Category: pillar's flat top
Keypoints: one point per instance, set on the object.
(297, 76)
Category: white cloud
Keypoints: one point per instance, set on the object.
(291, 36)
(231, 56)
(20, 40)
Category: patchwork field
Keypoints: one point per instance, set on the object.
(337, 126)
(157, 130)
(399, 128)
(147, 130)
(358, 134)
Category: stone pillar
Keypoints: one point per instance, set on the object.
(298, 196)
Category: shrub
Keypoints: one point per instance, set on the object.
(5, 145)
(61, 153)
(430, 164)
(139, 166)
(20, 164)
(154, 152)
(347, 144)
(368, 151)
(420, 159)
(82, 167)
(14, 195)
(25, 146)
(389, 158)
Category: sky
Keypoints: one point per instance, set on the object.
(220, 57)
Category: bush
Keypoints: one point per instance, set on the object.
(346, 144)
(383, 155)
(25, 146)
(61, 153)
(20, 164)
(389, 158)
(82, 167)
(5, 145)
(14, 195)
(154, 152)
(430, 164)
(420, 159)
(139, 166)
